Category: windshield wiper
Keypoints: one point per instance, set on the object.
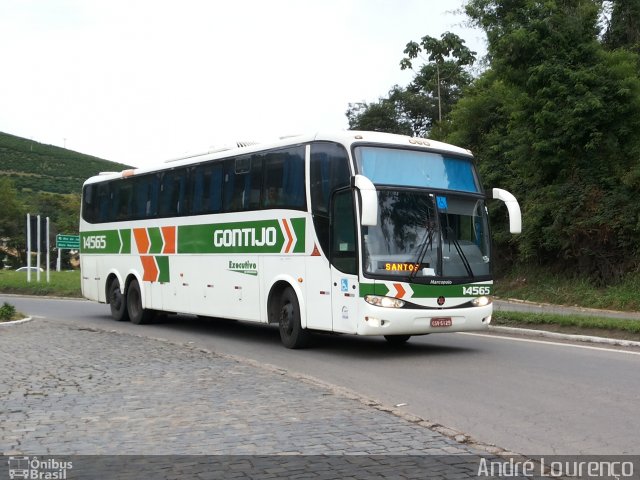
(463, 257)
(428, 242)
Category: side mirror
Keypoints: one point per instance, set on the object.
(369, 198)
(515, 216)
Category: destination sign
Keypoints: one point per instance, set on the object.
(401, 266)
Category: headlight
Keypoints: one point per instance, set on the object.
(388, 302)
(481, 301)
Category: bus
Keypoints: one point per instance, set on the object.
(361, 233)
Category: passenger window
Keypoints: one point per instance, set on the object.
(284, 185)
(206, 195)
(172, 193)
(243, 183)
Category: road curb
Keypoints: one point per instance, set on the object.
(15, 322)
(565, 336)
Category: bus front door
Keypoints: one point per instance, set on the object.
(344, 261)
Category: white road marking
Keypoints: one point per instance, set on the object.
(544, 342)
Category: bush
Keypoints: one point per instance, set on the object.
(7, 311)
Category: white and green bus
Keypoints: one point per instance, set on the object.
(355, 232)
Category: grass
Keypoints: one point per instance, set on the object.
(538, 285)
(63, 284)
(622, 329)
(579, 321)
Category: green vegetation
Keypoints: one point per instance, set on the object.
(628, 329)
(525, 318)
(63, 284)
(7, 312)
(536, 284)
(554, 118)
(36, 167)
(42, 180)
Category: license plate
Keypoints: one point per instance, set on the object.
(441, 322)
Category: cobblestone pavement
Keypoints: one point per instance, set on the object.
(81, 391)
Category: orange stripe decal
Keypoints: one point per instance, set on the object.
(150, 269)
(400, 290)
(169, 235)
(142, 240)
(290, 242)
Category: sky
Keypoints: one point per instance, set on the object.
(143, 81)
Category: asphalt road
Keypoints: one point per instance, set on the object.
(526, 395)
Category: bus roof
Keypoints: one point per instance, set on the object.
(344, 137)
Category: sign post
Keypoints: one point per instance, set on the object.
(48, 253)
(28, 248)
(66, 242)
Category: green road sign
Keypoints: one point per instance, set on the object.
(68, 241)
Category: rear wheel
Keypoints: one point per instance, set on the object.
(397, 339)
(137, 313)
(291, 332)
(117, 302)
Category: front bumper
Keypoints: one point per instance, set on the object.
(409, 321)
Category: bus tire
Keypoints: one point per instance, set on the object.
(137, 313)
(291, 332)
(397, 339)
(117, 302)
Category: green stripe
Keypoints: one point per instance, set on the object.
(429, 291)
(163, 267)
(373, 289)
(299, 230)
(102, 241)
(126, 240)
(263, 236)
(155, 237)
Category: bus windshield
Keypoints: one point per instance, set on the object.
(416, 168)
(422, 235)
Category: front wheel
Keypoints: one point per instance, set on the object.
(117, 302)
(137, 313)
(291, 332)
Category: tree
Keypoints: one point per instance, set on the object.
(427, 100)
(12, 212)
(447, 58)
(624, 26)
(556, 120)
(403, 111)
(385, 115)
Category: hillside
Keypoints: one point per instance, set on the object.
(37, 167)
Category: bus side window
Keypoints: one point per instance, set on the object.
(343, 233)
(242, 183)
(284, 179)
(199, 176)
(124, 199)
(172, 193)
(206, 189)
(89, 201)
(228, 184)
(102, 213)
(329, 171)
(215, 189)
